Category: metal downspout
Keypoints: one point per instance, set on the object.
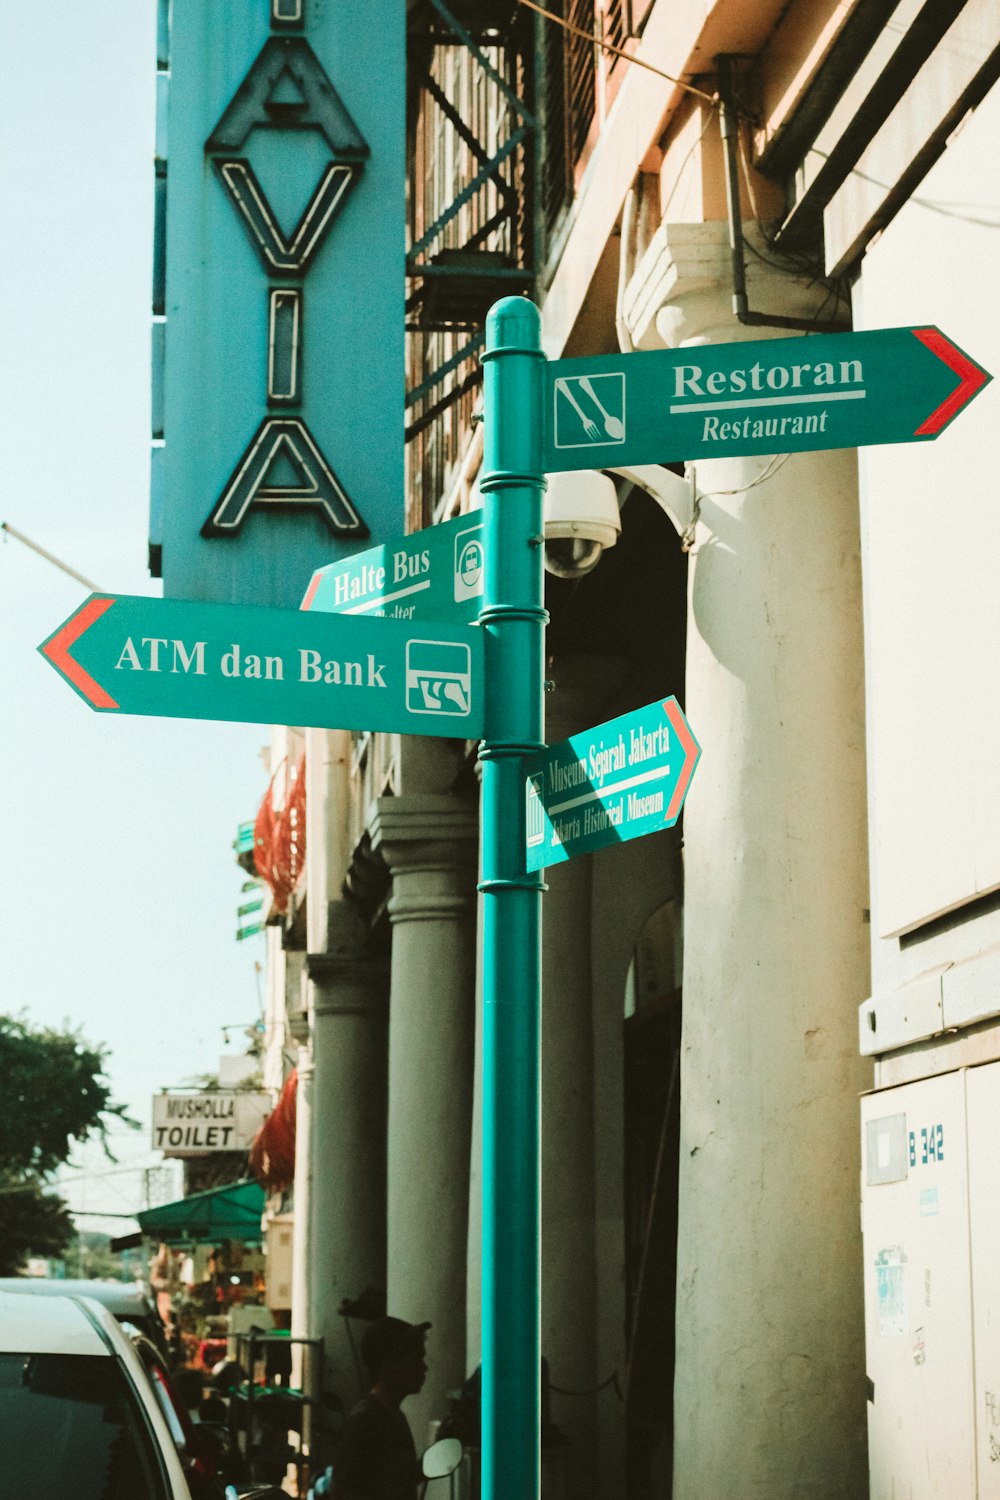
(729, 125)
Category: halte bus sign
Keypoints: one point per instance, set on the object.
(839, 390)
(615, 782)
(174, 659)
(435, 574)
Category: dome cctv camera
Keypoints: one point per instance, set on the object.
(581, 519)
(571, 556)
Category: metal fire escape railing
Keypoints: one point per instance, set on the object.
(502, 112)
(472, 213)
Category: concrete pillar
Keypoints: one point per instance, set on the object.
(769, 1393)
(630, 883)
(302, 1374)
(328, 844)
(344, 1099)
(339, 1243)
(430, 845)
(583, 687)
(305, 1074)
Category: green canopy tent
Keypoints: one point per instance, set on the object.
(225, 1213)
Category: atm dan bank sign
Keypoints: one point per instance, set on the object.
(198, 1124)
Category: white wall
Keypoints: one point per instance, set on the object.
(931, 560)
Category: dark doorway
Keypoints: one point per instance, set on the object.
(652, 1133)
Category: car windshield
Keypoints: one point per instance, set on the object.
(70, 1427)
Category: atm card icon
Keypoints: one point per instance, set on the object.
(438, 678)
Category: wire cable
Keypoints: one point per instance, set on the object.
(56, 562)
(592, 36)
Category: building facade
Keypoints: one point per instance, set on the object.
(717, 1318)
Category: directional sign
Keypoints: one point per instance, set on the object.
(839, 390)
(436, 574)
(173, 659)
(609, 784)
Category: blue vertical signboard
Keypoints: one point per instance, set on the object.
(281, 229)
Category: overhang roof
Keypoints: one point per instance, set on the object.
(226, 1213)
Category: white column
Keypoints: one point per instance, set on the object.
(346, 1223)
(305, 1074)
(339, 1245)
(430, 845)
(769, 1393)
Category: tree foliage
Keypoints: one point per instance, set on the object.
(32, 1222)
(53, 1093)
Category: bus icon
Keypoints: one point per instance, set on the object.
(469, 564)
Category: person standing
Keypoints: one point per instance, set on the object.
(376, 1458)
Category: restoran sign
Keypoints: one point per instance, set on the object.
(198, 1124)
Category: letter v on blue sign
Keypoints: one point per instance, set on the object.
(281, 253)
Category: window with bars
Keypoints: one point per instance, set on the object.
(570, 104)
(580, 77)
(614, 23)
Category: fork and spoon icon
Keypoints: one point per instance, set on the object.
(613, 426)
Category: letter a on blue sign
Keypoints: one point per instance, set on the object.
(284, 466)
(287, 86)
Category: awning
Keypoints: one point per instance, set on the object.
(272, 1154)
(225, 1213)
(125, 1242)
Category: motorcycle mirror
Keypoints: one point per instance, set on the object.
(442, 1458)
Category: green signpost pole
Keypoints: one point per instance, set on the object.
(513, 620)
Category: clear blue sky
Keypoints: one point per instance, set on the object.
(118, 889)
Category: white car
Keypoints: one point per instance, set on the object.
(127, 1301)
(78, 1416)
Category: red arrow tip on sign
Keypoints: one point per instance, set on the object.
(310, 592)
(692, 751)
(57, 651)
(971, 378)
